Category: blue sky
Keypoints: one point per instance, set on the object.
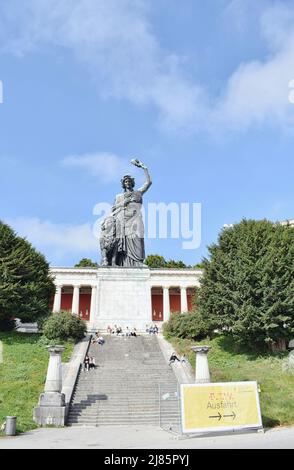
(199, 91)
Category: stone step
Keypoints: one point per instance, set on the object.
(125, 374)
(149, 385)
(122, 421)
(140, 388)
(124, 406)
(115, 403)
(100, 389)
(151, 422)
(151, 380)
(114, 412)
(115, 416)
(114, 409)
(123, 415)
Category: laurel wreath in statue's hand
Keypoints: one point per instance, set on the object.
(137, 163)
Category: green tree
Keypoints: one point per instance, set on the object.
(175, 264)
(26, 287)
(155, 261)
(199, 265)
(247, 286)
(86, 263)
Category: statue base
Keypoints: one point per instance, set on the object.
(124, 298)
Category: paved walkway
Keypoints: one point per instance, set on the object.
(144, 437)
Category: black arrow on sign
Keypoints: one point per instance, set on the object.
(230, 416)
(219, 416)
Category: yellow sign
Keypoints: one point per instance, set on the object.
(220, 406)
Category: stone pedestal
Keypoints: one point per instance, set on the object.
(51, 407)
(202, 374)
(123, 298)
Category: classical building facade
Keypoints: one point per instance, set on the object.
(130, 297)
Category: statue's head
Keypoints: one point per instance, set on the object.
(128, 182)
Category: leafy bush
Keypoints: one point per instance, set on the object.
(187, 325)
(64, 326)
(42, 320)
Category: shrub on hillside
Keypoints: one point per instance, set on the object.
(64, 326)
(187, 325)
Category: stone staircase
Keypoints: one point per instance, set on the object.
(132, 384)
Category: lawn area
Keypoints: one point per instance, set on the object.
(228, 364)
(22, 376)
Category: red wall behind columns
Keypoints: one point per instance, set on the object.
(85, 305)
(175, 302)
(157, 307)
(66, 301)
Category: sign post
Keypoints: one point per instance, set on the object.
(215, 407)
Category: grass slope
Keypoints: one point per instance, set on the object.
(227, 363)
(22, 376)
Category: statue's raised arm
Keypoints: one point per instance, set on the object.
(148, 181)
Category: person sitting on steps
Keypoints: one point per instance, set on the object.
(86, 363)
(95, 338)
(101, 340)
(128, 333)
(92, 363)
(119, 331)
(173, 358)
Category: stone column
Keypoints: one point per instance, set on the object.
(76, 300)
(166, 304)
(93, 303)
(184, 300)
(54, 371)
(57, 299)
(51, 407)
(202, 374)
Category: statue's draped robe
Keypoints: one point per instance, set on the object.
(129, 229)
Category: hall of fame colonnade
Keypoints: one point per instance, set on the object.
(133, 297)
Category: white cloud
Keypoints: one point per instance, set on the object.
(62, 238)
(106, 166)
(258, 92)
(242, 16)
(116, 41)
